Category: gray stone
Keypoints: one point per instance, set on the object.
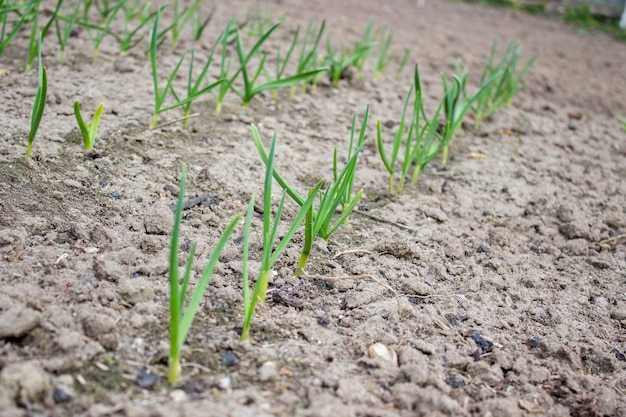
(27, 380)
(17, 321)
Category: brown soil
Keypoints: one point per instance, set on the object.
(508, 266)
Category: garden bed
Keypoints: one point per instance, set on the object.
(499, 280)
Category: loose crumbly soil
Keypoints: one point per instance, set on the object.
(507, 266)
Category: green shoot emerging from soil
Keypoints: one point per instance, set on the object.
(281, 62)
(308, 52)
(404, 59)
(338, 191)
(456, 105)
(363, 48)
(88, 130)
(40, 103)
(623, 122)
(181, 17)
(10, 28)
(180, 317)
(348, 201)
(422, 144)
(384, 55)
(127, 39)
(271, 249)
(64, 30)
(225, 67)
(33, 44)
(193, 88)
(198, 24)
(97, 33)
(508, 81)
(339, 60)
(249, 90)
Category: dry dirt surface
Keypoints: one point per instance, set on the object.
(499, 281)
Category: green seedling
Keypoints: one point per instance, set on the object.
(230, 34)
(348, 201)
(159, 94)
(319, 222)
(339, 191)
(404, 59)
(224, 67)
(33, 43)
(10, 28)
(104, 8)
(97, 33)
(134, 9)
(271, 249)
(338, 61)
(258, 21)
(193, 87)
(181, 317)
(422, 141)
(307, 60)
(509, 81)
(363, 48)
(456, 105)
(40, 103)
(88, 130)
(64, 30)
(248, 91)
(127, 40)
(193, 90)
(384, 55)
(623, 122)
(88, 4)
(198, 24)
(281, 62)
(181, 17)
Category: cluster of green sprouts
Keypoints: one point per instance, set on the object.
(501, 81)
(424, 138)
(337, 193)
(246, 71)
(422, 143)
(250, 76)
(322, 212)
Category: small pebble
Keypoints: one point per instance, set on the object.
(380, 351)
(323, 321)
(619, 355)
(268, 371)
(484, 344)
(455, 382)
(146, 380)
(178, 396)
(533, 342)
(59, 395)
(229, 358)
(224, 383)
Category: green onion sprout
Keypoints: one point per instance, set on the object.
(181, 317)
(40, 103)
(271, 249)
(88, 130)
